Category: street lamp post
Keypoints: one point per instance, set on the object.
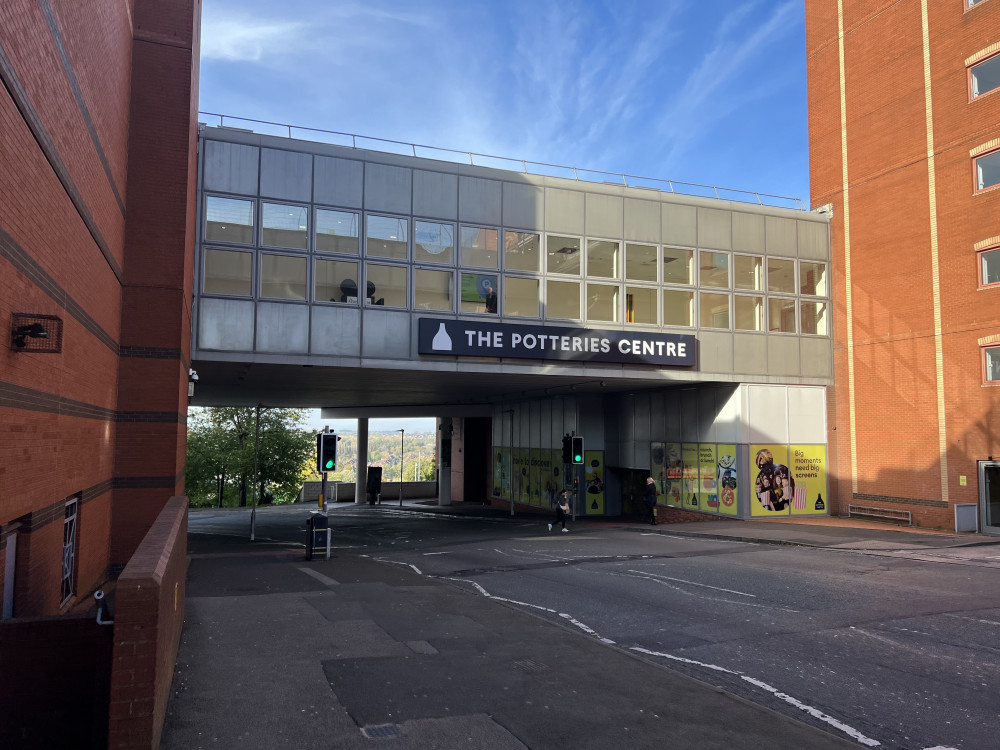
(402, 459)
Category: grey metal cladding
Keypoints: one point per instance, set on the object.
(435, 195)
(339, 182)
(780, 236)
(286, 175)
(231, 167)
(335, 331)
(479, 200)
(715, 351)
(225, 324)
(564, 211)
(386, 334)
(814, 242)
(387, 188)
(748, 232)
(282, 328)
(817, 357)
(642, 220)
(679, 224)
(749, 354)
(715, 228)
(523, 206)
(783, 355)
(605, 215)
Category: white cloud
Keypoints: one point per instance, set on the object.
(245, 39)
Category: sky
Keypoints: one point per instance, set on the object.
(701, 91)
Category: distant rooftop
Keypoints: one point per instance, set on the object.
(353, 140)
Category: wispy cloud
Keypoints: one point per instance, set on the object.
(247, 39)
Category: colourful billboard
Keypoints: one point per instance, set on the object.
(593, 480)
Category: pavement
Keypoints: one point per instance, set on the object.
(350, 652)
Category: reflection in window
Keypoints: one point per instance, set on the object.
(640, 305)
(562, 299)
(479, 293)
(432, 290)
(336, 231)
(714, 310)
(781, 276)
(992, 363)
(748, 313)
(433, 242)
(386, 237)
(479, 247)
(602, 302)
(284, 226)
(988, 170)
(985, 76)
(282, 276)
(386, 285)
(813, 317)
(228, 272)
(812, 279)
(678, 308)
(229, 220)
(562, 254)
(990, 263)
(748, 272)
(520, 296)
(602, 259)
(336, 281)
(640, 262)
(521, 251)
(781, 315)
(714, 269)
(678, 266)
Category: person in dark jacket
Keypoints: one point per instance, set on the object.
(562, 510)
(649, 497)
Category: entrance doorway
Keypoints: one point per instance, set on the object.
(989, 496)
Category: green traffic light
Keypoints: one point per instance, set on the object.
(577, 458)
(329, 465)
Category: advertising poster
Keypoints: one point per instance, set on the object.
(519, 472)
(658, 468)
(675, 475)
(726, 480)
(593, 481)
(689, 488)
(535, 477)
(809, 469)
(774, 485)
(707, 467)
(501, 473)
(550, 470)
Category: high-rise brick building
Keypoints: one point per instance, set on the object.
(904, 121)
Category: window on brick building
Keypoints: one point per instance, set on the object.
(985, 76)
(991, 364)
(972, 3)
(989, 262)
(988, 170)
(68, 579)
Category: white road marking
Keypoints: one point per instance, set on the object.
(397, 562)
(428, 554)
(971, 619)
(692, 583)
(320, 577)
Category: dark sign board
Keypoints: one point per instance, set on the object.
(484, 339)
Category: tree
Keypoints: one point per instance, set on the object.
(221, 445)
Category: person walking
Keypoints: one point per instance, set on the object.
(649, 497)
(562, 510)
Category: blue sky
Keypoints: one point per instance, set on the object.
(703, 91)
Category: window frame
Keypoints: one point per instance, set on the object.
(579, 274)
(984, 366)
(289, 253)
(500, 251)
(417, 262)
(768, 299)
(70, 549)
(979, 267)
(537, 271)
(976, 190)
(254, 225)
(977, 97)
(408, 256)
(245, 250)
(316, 233)
(328, 258)
(973, 6)
(308, 230)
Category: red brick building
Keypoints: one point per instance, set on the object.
(97, 155)
(904, 121)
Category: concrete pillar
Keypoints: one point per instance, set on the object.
(360, 496)
(444, 461)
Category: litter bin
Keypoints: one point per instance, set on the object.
(317, 525)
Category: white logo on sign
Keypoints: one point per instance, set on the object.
(442, 341)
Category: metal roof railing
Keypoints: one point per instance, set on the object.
(386, 145)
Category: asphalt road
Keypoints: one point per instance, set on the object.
(887, 650)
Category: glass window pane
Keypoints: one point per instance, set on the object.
(985, 76)
(988, 170)
(812, 279)
(336, 281)
(520, 296)
(781, 276)
(640, 305)
(748, 313)
(781, 315)
(386, 285)
(814, 318)
(991, 266)
(433, 242)
(521, 251)
(479, 293)
(602, 302)
(432, 290)
(714, 310)
(386, 237)
(993, 363)
(678, 308)
(282, 276)
(714, 269)
(640, 262)
(480, 247)
(562, 299)
(748, 272)
(602, 259)
(678, 266)
(562, 254)
(229, 220)
(284, 226)
(336, 231)
(228, 272)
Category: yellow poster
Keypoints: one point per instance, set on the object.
(689, 487)
(726, 480)
(675, 475)
(534, 477)
(658, 470)
(706, 477)
(501, 473)
(774, 485)
(550, 470)
(593, 481)
(519, 474)
(809, 471)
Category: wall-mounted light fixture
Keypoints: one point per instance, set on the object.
(35, 333)
(192, 379)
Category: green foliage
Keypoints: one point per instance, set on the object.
(384, 451)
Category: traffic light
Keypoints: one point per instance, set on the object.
(326, 452)
(567, 459)
(577, 449)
